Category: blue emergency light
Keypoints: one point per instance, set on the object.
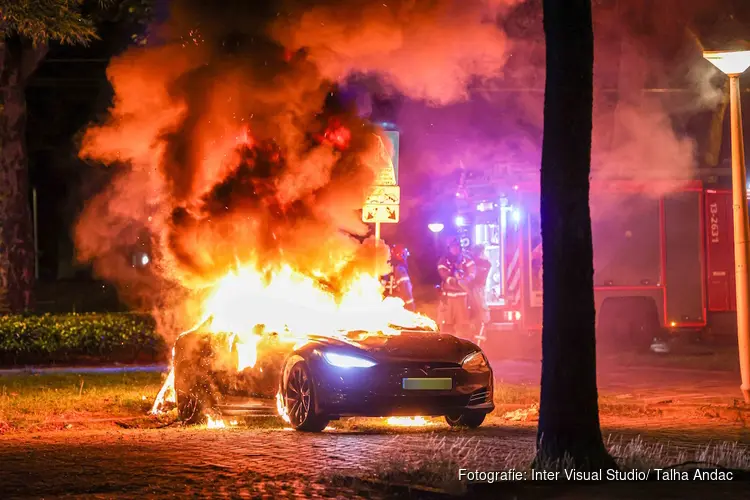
(515, 215)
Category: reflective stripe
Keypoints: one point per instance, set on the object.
(514, 281)
(442, 266)
(513, 272)
(402, 280)
(411, 301)
(454, 294)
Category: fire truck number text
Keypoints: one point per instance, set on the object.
(714, 209)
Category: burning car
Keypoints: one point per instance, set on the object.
(322, 378)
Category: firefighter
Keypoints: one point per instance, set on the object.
(398, 281)
(477, 303)
(457, 272)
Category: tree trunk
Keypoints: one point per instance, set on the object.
(17, 62)
(568, 415)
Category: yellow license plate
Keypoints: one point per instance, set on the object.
(427, 384)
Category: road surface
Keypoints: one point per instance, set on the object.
(650, 383)
(246, 462)
(240, 462)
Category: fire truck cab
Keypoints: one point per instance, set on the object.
(659, 267)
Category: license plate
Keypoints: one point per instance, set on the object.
(428, 384)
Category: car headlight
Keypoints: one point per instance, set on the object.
(345, 361)
(475, 363)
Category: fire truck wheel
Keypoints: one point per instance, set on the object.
(299, 398)
(470, 419)
(627, 323)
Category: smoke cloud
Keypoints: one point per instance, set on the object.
(228, 141)
(424, 50)
(637, 136)
(228, 144)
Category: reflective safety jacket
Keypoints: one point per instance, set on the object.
(398, 284)
(457, 275)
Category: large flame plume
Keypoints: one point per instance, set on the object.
(228, 147)
(238, 168)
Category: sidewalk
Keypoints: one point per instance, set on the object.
(646, 383)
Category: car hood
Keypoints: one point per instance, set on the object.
(406, 346)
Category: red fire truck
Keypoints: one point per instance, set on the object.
(663, 256)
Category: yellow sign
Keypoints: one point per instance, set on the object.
(380, 213)
(384, 195)
(387, 176)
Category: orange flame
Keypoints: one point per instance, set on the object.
(408, 422)
(215, 423)
(283, 413)
(166, 394)
(294, 306)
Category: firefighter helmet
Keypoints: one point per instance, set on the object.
(399, 252)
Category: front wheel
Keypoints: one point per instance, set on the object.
(472, 420)
(300, 400)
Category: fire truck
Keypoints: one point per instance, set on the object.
(663, 254)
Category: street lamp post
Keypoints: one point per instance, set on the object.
(733, 64)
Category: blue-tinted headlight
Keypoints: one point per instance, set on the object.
(345, 361)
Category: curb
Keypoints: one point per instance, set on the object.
(33, 370)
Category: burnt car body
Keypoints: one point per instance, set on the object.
(325, 378)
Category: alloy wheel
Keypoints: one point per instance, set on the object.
(298, 395)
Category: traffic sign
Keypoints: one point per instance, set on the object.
(387, 175)
(393, 138)
(384, 195)
(380, 214)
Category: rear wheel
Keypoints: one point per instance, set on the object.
(469, 419)
(299, 398)
(194, 396)
(630, 323)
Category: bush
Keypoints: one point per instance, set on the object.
(114, 337)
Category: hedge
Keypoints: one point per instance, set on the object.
(72, 338)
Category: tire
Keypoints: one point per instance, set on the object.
(194, 397)
(628, 323)
(470, 419)
(299, 399)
